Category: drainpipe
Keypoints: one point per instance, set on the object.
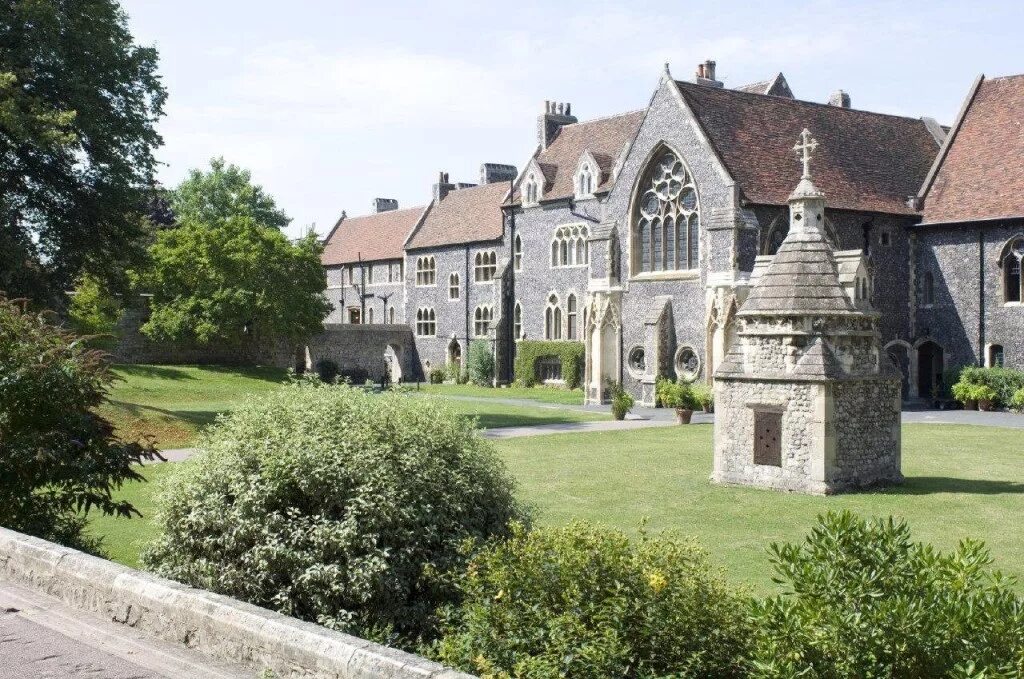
(981, 296)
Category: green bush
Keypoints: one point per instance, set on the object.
(1004, 381)
(58, 458)
(863, 600)
(437, 375)
(94, 313)
(481, 363)
(964, 391)
(453, 371)
(622, 401)
(1017, 400)
(678, 395)
(528, 352)
(327, 370)
(335, 506)
(703, 395)
(587, 602)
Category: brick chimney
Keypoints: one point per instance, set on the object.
(442, 187)
(384, 205)
(706, 74)
(556, 114)
(495, 172)
(840, 99)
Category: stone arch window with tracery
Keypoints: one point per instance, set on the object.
(531, 190)
(517, 322)
(426, 271)
(553, 319)
(426, 322)
(482, 317)
(1013, 282)
(666, 233)
(569, 246)
(484, 266)
(585, 181)
(453, 285)
(517, 253)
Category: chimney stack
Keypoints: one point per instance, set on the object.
(840, 99)
(384, 205)
(495, 172)
(706, 74)
(442, 187)
(556, 114)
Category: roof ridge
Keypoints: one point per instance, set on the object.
(603, 118)
(349, 218)
(801, 101)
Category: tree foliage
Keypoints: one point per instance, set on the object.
(78, 104)
(94, 312)
(335, 506)
(233, 279)
(480, 363)
(58, 458)
(863, 600)
(224, 192)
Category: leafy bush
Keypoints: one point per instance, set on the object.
(863, 600)
(94, 312)
(327, 370)
(453, 371)
(678, 395)
(964, 391)
(622, 401)
(58, 458)
(1017, 400)
(335, 506)
(353, 375)
(1004, 381)
(582, 601)
(481, 363)
(703, 395)
(437, 375)
(571, 354)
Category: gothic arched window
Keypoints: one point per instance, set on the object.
(482, 320)
(517, 322)
(928, 288)
(426, 324)
(571, 315)
(426, 271)
(517, 253)
(553, 319)
(531, 190)
(1013, 282)
(569, 246)
(666, 236)
(585, 181)
(453, 286)
(484, 266)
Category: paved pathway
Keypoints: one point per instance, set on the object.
(1012, 420)
(41, 637)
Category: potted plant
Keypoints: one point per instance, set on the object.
(704, 397)
(986, 397)
(679, 396)
(964, 392)
(622, 402)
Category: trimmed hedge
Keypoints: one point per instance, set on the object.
(528, 352)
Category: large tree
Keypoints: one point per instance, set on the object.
(78, 104)
(223, 192)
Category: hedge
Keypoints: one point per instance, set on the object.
(1004, 381)
(528, 352)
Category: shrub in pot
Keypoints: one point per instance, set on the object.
(986, 397)
(1017, 400)
(335, 506)
(622, 402)
(680, 396)
(704, 397)
(964, 393)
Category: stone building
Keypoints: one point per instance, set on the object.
(805, 399)
(637, 234)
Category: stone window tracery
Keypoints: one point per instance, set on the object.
(553, 319)
(426, 271)
(484, 266)
(517, 322)
(571, 316)
(517, 253)
(636, 361)
(585, 181)
(667, 218)
(453, 286)
(426, 322)
(1013, 282)
(687, 364)
(569, 247)
(482, 317)
(531, 190)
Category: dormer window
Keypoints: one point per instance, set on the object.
(585, 182)
(530, 190)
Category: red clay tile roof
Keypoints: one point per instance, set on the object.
(864, 161)
(982, 173)
(604, 138)
(375, 237)
(464, 216)
(776, 86)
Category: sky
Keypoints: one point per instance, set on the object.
(332, 103)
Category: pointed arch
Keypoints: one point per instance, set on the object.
(664, 215)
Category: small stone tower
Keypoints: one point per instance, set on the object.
(805, 399)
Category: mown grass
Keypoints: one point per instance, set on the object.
(962, 481)
(539, 394)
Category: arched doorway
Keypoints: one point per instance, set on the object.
(393, 363)
(455, 354)
(899, 358)
(930, 363)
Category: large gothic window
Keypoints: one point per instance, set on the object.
(553, 319)
(484, 266)
(666, 236)
(569, 246)
(1013, 282)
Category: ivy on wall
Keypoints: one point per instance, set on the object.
(528, 352)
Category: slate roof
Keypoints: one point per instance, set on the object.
(605, 138)
(375, 237)
(980, 173)
(464, 216)
(865, 161)
(777, 87)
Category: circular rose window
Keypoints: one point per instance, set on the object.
(637, 361)
(687, 364)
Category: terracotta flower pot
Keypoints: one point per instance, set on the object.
(683, 415)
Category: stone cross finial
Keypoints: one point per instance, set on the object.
(805, 147)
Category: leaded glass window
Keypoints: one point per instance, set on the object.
(667, 233)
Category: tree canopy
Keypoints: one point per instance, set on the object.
(225, 191)
(78, 104)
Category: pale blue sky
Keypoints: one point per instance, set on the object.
(333, 103)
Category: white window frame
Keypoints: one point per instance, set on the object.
(517, 253)
(454, 286)
(485, 265)
(426, 320)
(570, 246)
(426, 268)
(483, 316)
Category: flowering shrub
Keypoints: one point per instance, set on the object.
(582, 601)
(335, 506)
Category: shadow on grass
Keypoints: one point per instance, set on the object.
(154, 371)
(498, 420)
(198, 418)
(929, 485)
(263, 373)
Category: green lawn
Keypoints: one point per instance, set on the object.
(124, 539)
(961, 482)
(172, 403)
(542, 394)
(492, 415)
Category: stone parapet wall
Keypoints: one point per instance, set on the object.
(218, 626)
(365, 347)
